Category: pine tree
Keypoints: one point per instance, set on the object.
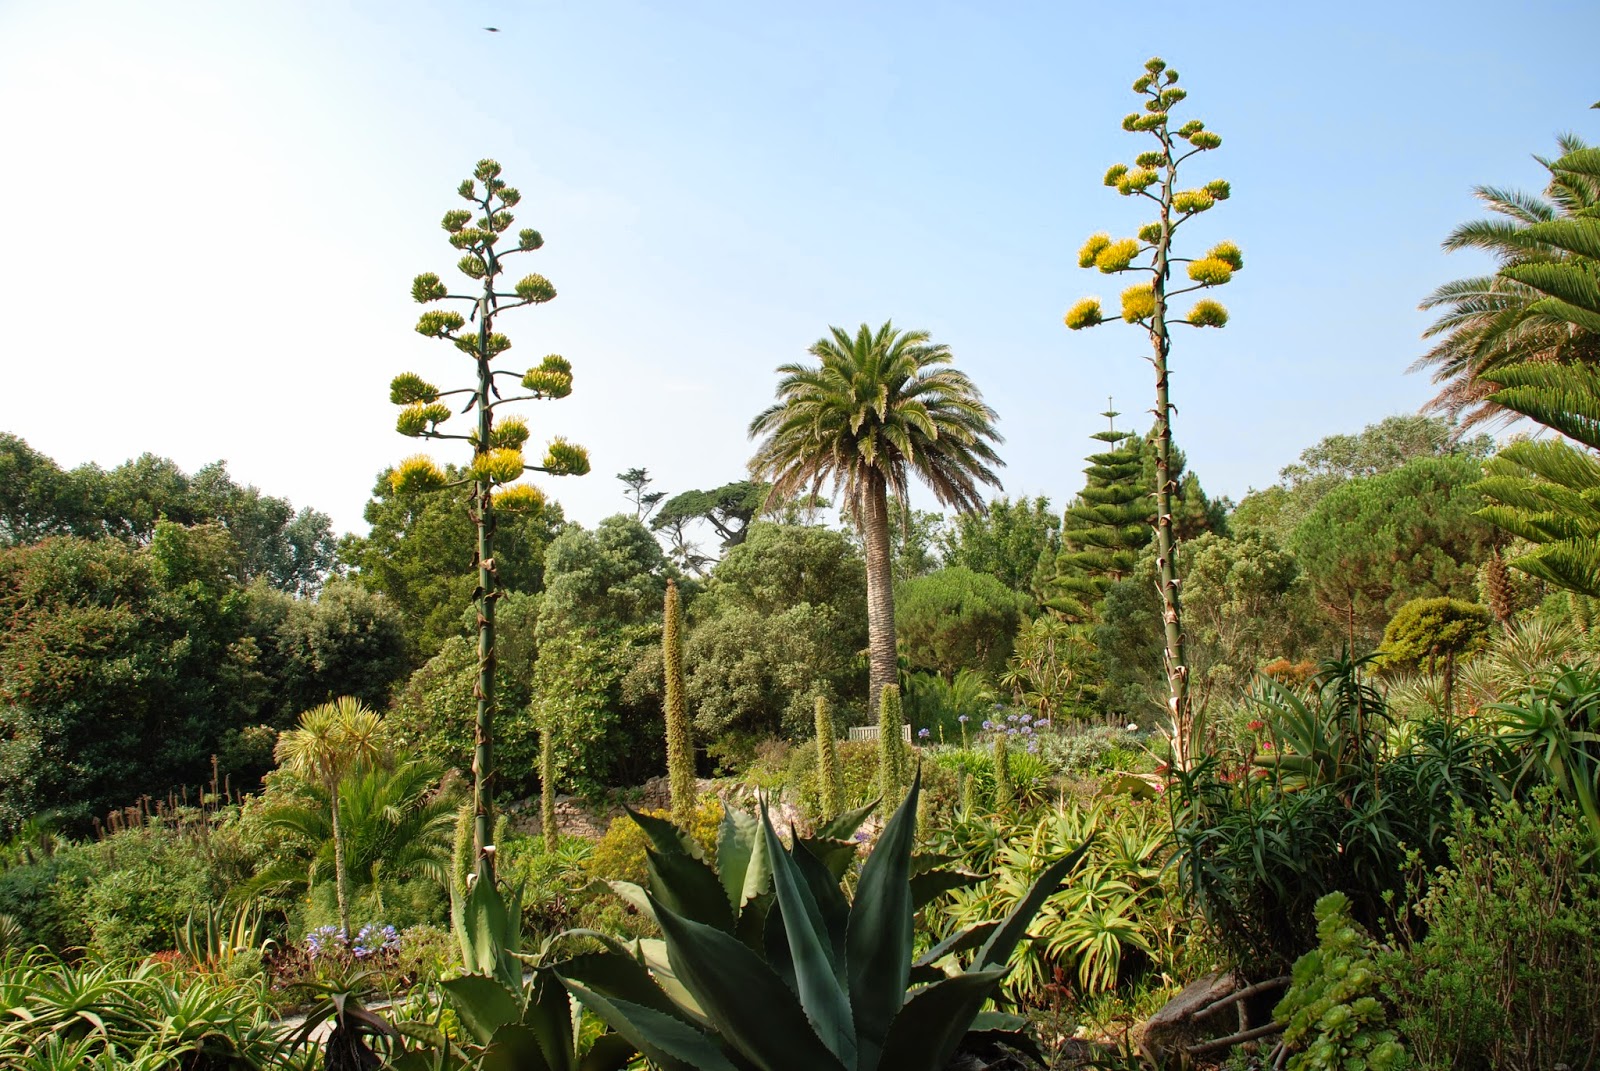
(830, 778)
(1105, 527)
(680, 747)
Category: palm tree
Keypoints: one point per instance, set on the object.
(332, 739)
(877, 408)
(1490, 321)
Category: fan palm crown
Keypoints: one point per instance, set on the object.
(878, 408)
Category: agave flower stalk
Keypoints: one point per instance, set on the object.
(497, 455)
(1154, 177)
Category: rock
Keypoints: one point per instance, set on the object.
(1161, 1038)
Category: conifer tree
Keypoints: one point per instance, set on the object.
(1104, 529)
(830, 778)
(680, 746)
(1154, 177)
(496, 441)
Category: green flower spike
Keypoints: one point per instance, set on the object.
(565, 459)
(455, 219)
(1117, 256)
(1085, 313)
(1091, 249)
(416, 474)
(1208, 314)
(1138, 303)
(408, 387)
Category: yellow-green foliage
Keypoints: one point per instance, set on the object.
(619, 854)
(858, 766)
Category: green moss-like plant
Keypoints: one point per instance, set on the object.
(680, 746)
(893, 763)
(1333, 1020)
(830, 776)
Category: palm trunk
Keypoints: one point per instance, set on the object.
(340, 882)
(872, 513)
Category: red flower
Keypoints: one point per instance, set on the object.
(1256, 726)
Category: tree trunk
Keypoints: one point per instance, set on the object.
(340, 882)
(872, 512)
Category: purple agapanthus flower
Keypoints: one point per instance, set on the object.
(923, 734)
(987, 724)
(963, 719)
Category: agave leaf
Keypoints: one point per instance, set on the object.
(515, 1048)
(482, 1004)
(967, 937)
(932, 884)
(666, 1042)
(844, 826)
(656, 959)
(756, 1013)
(816, 972)
(775, 948)
(634, 896)
(837, 855)
(996, 951)
(548, 1016)
(752, 925)
(621, 976)
(667, 838)
(831, 904)
(609, 1052)
(689, 887)
(741, 857)
(930, 1027)
(878, 939)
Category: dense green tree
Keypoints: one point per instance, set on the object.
(418, 554)
(1428, 632)
(1146, 304)
(878, 408)
(782, 620)
(957, 619)
(1513, 316)
(612, 577)
(1104, 528)
(1373, 544)
(288, 549)
(496, 440)
(122, 669)
(728, 509)
(346, 641)
(1009, 540)
(1376, 449)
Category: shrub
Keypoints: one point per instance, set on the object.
(619, 854)
(858, 762)
(1508, 974)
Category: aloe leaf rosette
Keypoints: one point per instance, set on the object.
(769, 965)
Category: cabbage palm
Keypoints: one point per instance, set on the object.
(877, 408)
(1491, 321)
(331, 740)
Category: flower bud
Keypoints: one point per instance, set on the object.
(455, 219)
(416, 474)
(509, 197)
(1150, 232)
(1114, 174)
(1208, 314)
(535, 289)
(1191, 201)
(1219, 189)
(565, 459)
(408, 387)
(486, 170)
(519, 498)
(1228, 253)
(1117, 256)
(466, 189)
(1205, 140)
(1151, 159)
(472, 266)
(509, 433)
(426, 288)
(497, 466)
(439, 324)
(1212, 271)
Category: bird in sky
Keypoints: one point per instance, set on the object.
(492, 29)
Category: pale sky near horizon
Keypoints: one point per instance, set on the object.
(214, 212)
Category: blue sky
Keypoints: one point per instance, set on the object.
(214, 212)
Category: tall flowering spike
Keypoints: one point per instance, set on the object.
(1154, 177)
(830, 775)
(476, 232)
(680, 746)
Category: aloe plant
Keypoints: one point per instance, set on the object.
(766, 964)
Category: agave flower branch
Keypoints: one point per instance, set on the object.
(1146, 304)
(497, 447)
